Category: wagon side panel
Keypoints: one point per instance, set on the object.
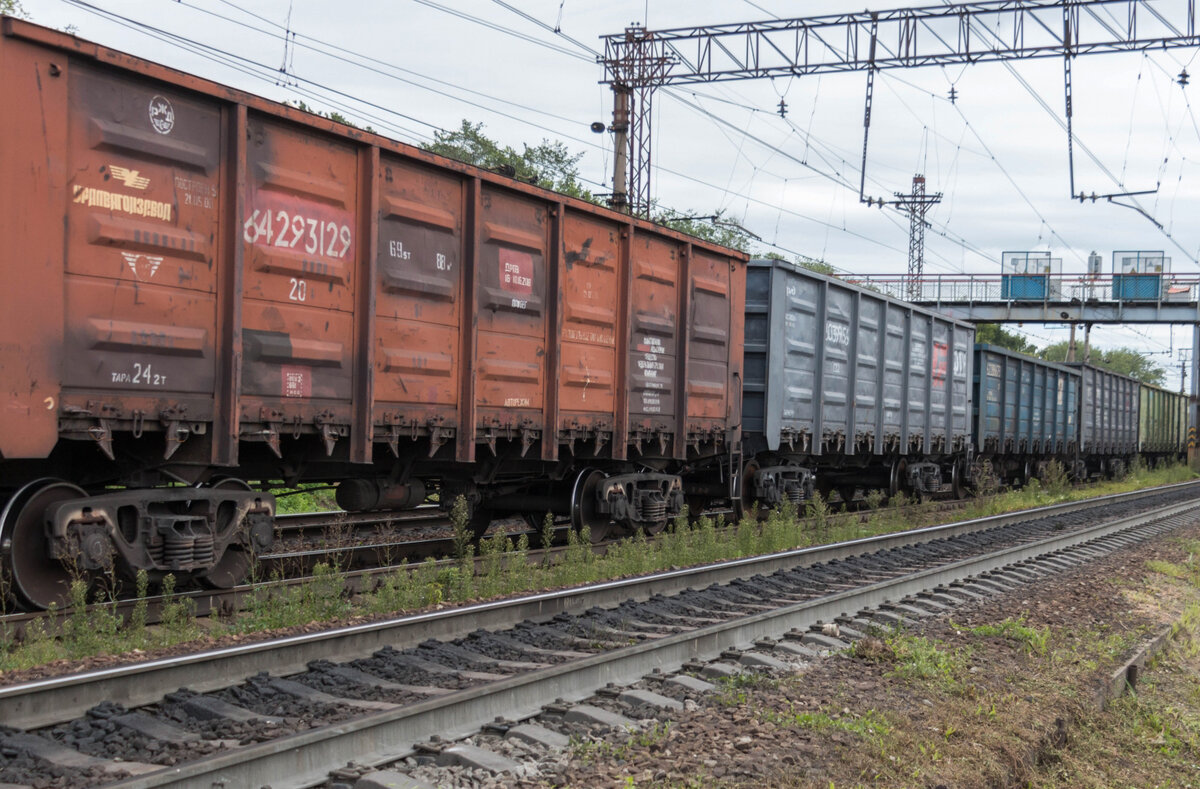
(420, 268)
(33, 173)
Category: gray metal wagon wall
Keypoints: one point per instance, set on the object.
(837, 369)
(1108, 421)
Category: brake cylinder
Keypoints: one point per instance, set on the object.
(356, 495)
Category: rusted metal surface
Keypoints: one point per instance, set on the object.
(242, 281)
(33, 173)
(140, 267)
(418, 304)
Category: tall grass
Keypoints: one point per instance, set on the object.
(505, 569)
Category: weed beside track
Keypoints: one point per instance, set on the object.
(507, 567)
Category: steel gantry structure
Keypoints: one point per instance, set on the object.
(638, 61)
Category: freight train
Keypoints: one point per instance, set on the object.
(205, 295)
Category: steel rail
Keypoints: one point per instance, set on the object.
(311, 521)
(305, 759)
(58, 699)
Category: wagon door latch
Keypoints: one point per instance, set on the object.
(271, 419)
(176, 431)
(101, 432)
(328, 430)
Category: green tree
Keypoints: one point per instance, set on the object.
(549, 163)
(336, 117)
(1125, 361)
(716, 229)
(993, 334)
(12, 8)
(819, 266)
(1057, 352)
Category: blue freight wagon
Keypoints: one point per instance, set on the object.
(847, 388)
(1025, 412)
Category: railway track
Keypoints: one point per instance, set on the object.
(363, 560)
(375, 692)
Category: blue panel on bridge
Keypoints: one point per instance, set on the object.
(1137, 287)
(1023, 287)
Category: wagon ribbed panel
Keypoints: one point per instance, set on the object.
(757, 351)
(510, 273)
(588, 288)
(653, 336)
(1162, 420)
(1109, 406)
(418, 302)
(1023, 404)
(850, 368)
(140, 264)
(300, 245)
(895, 365)
(867, 360)
(708, 322)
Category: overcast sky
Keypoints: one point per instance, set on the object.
(999, 153)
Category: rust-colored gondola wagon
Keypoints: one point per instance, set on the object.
(206, 288)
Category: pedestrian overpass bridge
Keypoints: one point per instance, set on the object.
(1043, 298)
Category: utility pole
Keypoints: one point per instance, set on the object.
(917, 203)
(641, 66)
(1071, 345)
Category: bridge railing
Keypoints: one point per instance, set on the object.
(1035, 288)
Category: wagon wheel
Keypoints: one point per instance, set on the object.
(896, 477)
(535, 523)
(479, 522)
(697, 504)
(958, 479)
(584, 509)
(37, 580)
(234, 565)
(744, 500)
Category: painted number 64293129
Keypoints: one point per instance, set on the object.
(294, 231)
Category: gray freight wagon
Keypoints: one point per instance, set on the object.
(1108, 420)
(847, 388)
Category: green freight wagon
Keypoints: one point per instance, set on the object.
(1162, 424)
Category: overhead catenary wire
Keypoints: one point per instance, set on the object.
(267, 73)
(749, 160)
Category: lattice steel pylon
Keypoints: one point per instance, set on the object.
(960, 33)
(916, 203)
(635, 74)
